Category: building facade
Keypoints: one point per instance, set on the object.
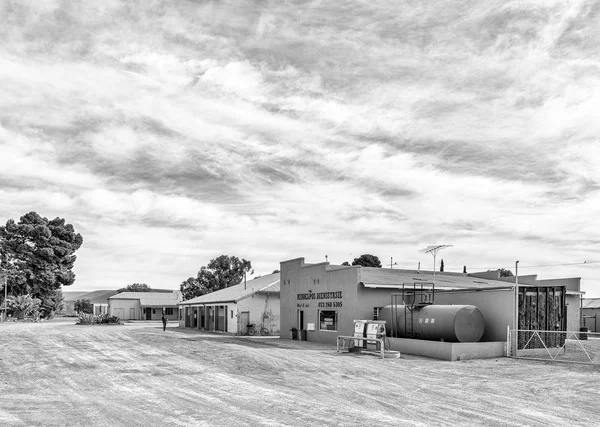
(324, 299)
(231, 310)
(145, 305)
(590, 313)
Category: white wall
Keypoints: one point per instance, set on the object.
(259, 305)
(124, 304)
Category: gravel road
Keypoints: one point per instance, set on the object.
(60, 374)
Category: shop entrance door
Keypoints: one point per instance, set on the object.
(148, 313)
(300, 320)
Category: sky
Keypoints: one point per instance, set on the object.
(171, 132)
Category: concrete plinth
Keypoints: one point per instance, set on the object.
(449, 350)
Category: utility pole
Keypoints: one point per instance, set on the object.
(515, 343)
(392, 263)
(517, 295)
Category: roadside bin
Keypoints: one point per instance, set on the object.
(294, 333)
(303, 335)
(583, 333)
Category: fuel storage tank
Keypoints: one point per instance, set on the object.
(453, 323)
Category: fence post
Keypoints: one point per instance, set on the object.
(508, 341)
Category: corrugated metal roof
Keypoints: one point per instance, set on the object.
(268, 283)
(591, 303)
(372, 277)
(151, 299)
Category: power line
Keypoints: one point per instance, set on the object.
(525, 266)
(560, 265)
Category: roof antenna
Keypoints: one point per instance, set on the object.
(433, 250)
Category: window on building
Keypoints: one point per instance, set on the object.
(376, 311)
(232, 314)
(153, 311)
(328, 320)
(169, 311)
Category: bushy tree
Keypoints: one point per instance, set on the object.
(83, 306)
(345, 263)
(367, 260)
(190, 289)
(52, 303)
(23, 305)
(135, 287)
(39, 255)
(442, 265)
(220, 273)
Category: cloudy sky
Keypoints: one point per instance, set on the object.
(170, 132)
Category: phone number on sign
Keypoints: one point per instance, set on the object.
(329, 304)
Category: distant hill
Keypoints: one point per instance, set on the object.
(73, 295)
(98, 297)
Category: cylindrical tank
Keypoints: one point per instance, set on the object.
(453, 323)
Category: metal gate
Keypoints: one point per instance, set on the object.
(555, 346)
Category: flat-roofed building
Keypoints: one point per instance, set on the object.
(324, 300)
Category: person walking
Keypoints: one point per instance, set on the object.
(164, 320)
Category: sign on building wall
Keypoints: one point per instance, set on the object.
(304, 299)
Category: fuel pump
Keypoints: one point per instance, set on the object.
(375, 330)
(359, 331)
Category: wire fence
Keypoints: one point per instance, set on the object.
(557, 346)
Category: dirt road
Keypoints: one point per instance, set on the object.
(60, 374)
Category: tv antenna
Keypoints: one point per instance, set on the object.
(433, 250)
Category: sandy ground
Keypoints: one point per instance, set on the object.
(57, 373)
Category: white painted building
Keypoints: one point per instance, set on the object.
(232, 309)
(145, 305)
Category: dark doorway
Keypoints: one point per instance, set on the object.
(148, 313)
(300, 320)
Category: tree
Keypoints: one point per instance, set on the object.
(83, 306)
(39, 255)
(345, 263)
(135, 287)
(504, 272)
(190, 288)
(367, 260)
(464, 269)
(23, 305)
(220, 273)
(52, 303)
(442, 265)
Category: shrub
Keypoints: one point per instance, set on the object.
(106, 319)
(103, 319)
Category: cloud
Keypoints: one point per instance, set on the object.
(270, 131)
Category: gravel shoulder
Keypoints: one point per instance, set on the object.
(60, 374)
